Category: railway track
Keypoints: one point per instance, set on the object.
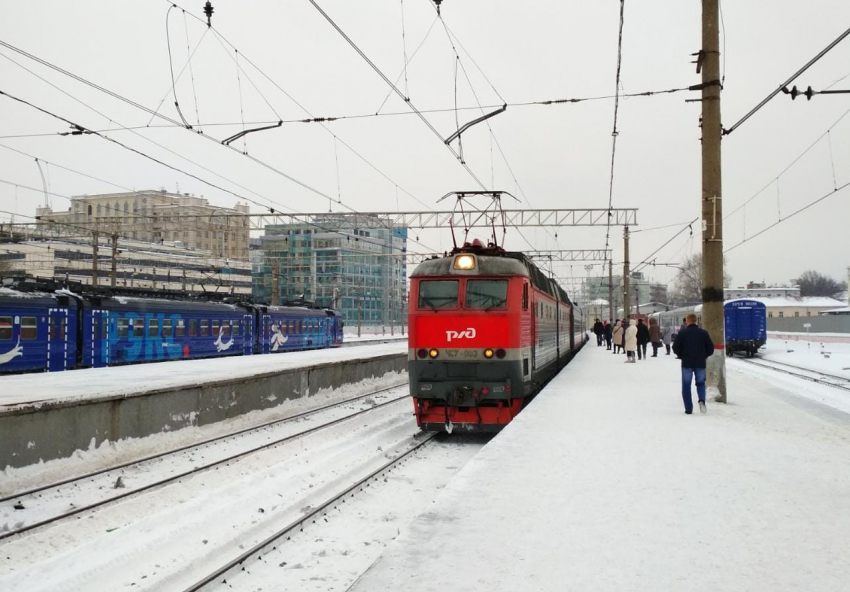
(55, 502)
(815, 376)
(219, 575)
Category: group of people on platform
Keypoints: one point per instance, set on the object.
(633, 337)
(691, 344)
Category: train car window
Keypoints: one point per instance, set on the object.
(283, 328)
(167, 327)
(525, 296)
(225, 328)
(193, 327)
(153, 327)
(139, 328)
(123, 328)
(299, 326)
(29, 328)
(292, 326)
(486, 294)
(435, 294)
(215, 329)
(95, 323)
(181, 328)
(205, 328)
(5, 328)
(236, 328)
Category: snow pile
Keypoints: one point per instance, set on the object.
(604, 484)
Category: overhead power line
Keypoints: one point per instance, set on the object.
(791, 215)
(615, 131)
(794, 76)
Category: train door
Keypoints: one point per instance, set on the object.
(247, 335)
(57, 340)
(535, 320)
(267, 329)
(100, 338)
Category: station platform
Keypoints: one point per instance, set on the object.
(49, 416)
(603, 483)
(90, 384)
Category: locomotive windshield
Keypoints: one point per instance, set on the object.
(438, 294)
(486, 294)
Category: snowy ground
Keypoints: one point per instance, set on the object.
(122, 381)
(604, 484)
(833, 358)
(167, 538)
(110, 454)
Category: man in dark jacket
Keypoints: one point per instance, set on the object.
(642, 339)
(599, 330)
(693, 345)
(609, 334)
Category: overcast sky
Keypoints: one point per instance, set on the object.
(527, 51)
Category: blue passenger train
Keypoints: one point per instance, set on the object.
(745, 323)
(61, 330)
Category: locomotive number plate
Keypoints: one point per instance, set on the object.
(463, 354)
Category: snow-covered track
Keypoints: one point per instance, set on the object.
(816, 376)
(25, 502)
(219, 575)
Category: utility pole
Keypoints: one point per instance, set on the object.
(275, 282)
(94, 258)
(610, 292)
(626, 303)
(359, 312)
(114, 259)
(712, 201)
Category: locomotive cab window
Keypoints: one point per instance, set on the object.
(486, 294)
(436, 294)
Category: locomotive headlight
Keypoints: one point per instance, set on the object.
(464, 262)
(433, 353)
(488, 353)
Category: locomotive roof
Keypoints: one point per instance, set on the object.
(505, 263)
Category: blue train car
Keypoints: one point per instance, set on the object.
(43, 330)
(38, 331)
(287, 328)
(120, 330)
(746, 326)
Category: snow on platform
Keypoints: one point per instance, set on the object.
(604, 484)
(123, 381)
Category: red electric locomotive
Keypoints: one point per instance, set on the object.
(487, 330)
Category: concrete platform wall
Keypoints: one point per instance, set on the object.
(57, 430)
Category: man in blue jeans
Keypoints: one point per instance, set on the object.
(693, 345)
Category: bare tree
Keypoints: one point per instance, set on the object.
(813, 283)
(687, 286)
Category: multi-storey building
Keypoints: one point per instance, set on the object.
(137, 265)
(360, 271)
(182, 220)
(756, 290)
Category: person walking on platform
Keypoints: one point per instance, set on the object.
(617, 335)
(631, 341)
(642, 339)
(609, 334)
(667, 337)
(597, 329)
(654, 336)
(693, 345)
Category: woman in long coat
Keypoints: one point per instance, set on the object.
(618, 337)
(667, 337)
(654, 336)
(631, 341)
